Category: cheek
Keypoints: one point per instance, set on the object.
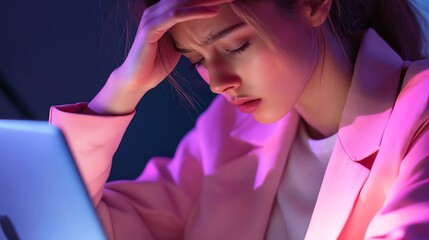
(299, 55)
(204, 73)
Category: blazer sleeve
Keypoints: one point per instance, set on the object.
(153, 206)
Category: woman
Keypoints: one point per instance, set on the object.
(320, 130)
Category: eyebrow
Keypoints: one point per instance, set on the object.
(213, 37)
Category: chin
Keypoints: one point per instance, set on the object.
(268, 118)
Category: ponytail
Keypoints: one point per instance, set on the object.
(394, 20)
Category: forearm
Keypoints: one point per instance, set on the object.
(116, 97)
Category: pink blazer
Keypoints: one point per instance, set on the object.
(223, 179)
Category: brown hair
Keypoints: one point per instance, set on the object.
(394, 20)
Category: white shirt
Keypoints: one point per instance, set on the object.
(299, 186)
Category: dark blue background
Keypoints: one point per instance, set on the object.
(53, 52)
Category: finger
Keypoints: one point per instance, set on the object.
(205, 2)
(159, 25)
(163, 12)
(168, 55)
(168, 5)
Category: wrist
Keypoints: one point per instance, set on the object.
(117, 97)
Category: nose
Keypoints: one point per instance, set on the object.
(222, 80)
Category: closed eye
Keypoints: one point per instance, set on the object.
(233, 52)
(240, 50)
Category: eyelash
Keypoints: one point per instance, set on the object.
(234, 52)
(240, 50)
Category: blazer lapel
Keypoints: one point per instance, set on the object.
(237, 199)
(367, 110)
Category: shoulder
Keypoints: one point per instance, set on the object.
(417, 74)
(410, 113)
(415, 88)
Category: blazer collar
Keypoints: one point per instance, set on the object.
(249, 130)
(238, 199)
(370, 100)
(371, 97)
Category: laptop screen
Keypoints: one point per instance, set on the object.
(42, 195)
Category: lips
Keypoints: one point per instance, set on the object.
(246, 105)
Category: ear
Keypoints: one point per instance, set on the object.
(316, 11)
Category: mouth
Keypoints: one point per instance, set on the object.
(246, 105)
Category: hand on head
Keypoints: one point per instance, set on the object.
(152, 55)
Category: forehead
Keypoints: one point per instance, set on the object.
(195, 31)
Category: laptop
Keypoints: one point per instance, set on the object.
(42, 195)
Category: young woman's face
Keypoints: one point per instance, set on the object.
(232, 57)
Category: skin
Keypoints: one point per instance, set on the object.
(242, 65)
(258, 72)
